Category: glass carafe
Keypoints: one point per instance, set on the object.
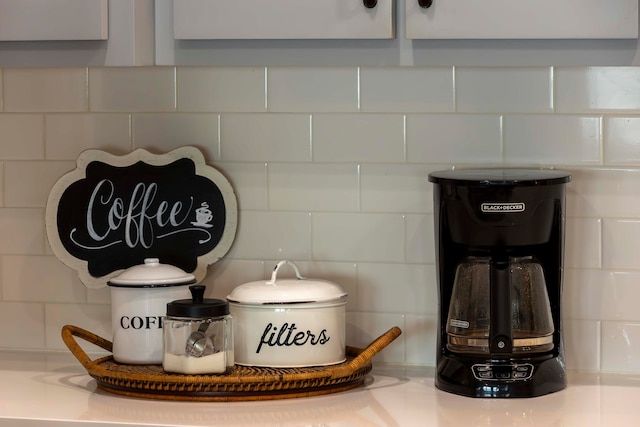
(499, 307)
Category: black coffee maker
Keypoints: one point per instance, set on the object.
(500, 242)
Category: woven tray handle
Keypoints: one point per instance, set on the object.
(375, 347)
(69, 331)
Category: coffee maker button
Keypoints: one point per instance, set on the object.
(503, 375)
(485, 374)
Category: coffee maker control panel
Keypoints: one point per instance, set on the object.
(502, 372)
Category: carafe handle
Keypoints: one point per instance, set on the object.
(500, 326)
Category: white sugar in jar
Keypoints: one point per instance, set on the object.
(198, 335)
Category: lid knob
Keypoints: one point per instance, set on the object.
(197, 293)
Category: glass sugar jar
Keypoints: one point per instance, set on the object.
(198, 335)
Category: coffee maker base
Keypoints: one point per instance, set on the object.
(503, 378)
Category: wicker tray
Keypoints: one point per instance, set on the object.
(243, 383)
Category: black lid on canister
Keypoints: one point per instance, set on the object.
(198, 306)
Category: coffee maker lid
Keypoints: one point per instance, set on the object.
(512, 177)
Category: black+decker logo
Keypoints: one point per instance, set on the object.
(501, 207)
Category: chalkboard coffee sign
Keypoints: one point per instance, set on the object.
(113, 212)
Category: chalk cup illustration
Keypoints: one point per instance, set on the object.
(203, 216)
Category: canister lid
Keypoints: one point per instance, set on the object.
(152, 274)
(280, 291)
(198, 306)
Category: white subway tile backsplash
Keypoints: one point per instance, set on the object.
(249, 182)
(584, 291)
(622, 141)
(358, 138)
(454, 138)
(420, 337)
(395, 188)
(30, 334)
(377, 291)
(40, 279)
(604, 193)
(31, 181)
(503, 90)
(621, 301)
(582, 345)
(265, 137)
(223, 89)
(620, 248)
(21, 136)
(92, 317)
(592, 89)
(272, 235)
(97, 295)
(552, 139)
(226, 274)
(67, 135)
(363, 328)
(602, 294)
(407, 89)
(583, 243)
(312, 90)
(134, 89)
(22, 231)
(358, 237)
(620, 347)
(163, 132)
(313, 187)
(419, 240)
(1, 188)
(45, 89)
(329, 166)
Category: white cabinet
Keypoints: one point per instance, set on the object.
(520, 19)
(76, 33)
(31, 20)
(283, 19)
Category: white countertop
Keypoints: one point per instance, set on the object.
(53, 389)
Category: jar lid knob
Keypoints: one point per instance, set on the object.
(197, 293)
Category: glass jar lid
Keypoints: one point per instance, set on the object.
(198, 306)
(298, 290)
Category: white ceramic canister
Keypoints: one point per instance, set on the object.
(139, 297)
(288, 322)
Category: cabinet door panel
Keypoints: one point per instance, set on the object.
(520, 19)
(282, 19)
(31, 20)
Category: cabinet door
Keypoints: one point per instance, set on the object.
(520, 19)
(31, 20)
(283, 19)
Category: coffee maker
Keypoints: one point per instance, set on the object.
(499, 241)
